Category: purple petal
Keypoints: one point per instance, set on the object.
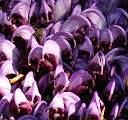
(64, 34)
(51, 47)
(62, 8)
(118, 16)
(45, 9)
(58, 70)
(74, 22)
(71, 109)
(107, 6)
(24, 31)
(5, 86)
(33, 94)
(92, 112)
(20, 102)
(96, 17)
(106, 37)
(43, 83)
(114, 112)
(87, 47)
(77, 10)
(94, 33)
(31, 11)
(122, 61)
(77, 78)
(94, 108)
(42, 106)
(69, 98)
(51, 3)
(57, 102)
(110, 88)
(4, 19)
(64, 45)
(28, 81)
(8, 67)
(8, 97)
(123, 106)
(32, 43)
(4, 108)
(118, 31)
(57, 26)
(35, 55)
(82, 111)
(61, 82)
(113, 53)
(10, 50)
(22, 9)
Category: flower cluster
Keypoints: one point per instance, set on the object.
(63, 60)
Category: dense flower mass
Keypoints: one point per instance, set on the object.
(63, 59)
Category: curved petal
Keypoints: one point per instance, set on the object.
(32, 43)
(35, 54)
(61, 82)
(118, 32)
(123, 107)
(31, 11)
(20, 102)
(58, 70)
(113, 53)
(8, 67)
(62, 7)
(78, 78)
(74, 22)
(52, 48)
(28, 81)
(8, 97)
(62, 34)
(65, 35)
(64, 46)
(4, 19)
(71, 110)
(57, 102)
(82, 111)
(42, 106)
(9, 50)
(95, 107)
(94, 33)
(87, 47)
(33, 94)
(118, 16)
(96, 17)
(122, 62)
(22, 9)
(26, 2)
(24, 31)
(106, 38)
(57, 26)
(77, 10)
(69, 98)
(5, 86)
